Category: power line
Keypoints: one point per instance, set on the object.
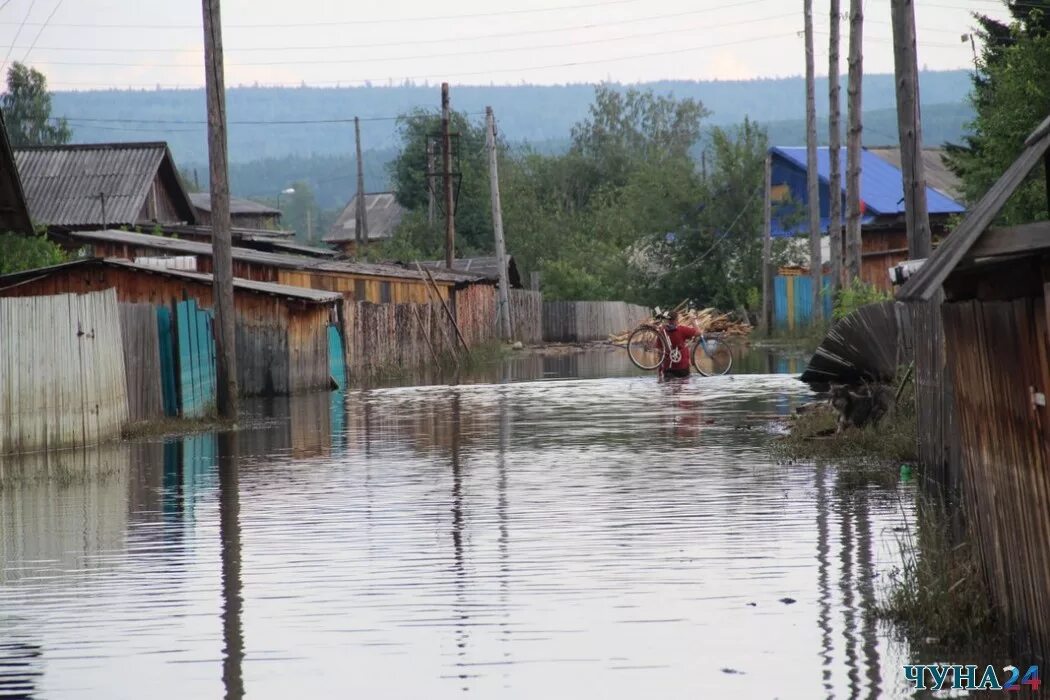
(42, 28)
(603, 40)
(568, 64)
(251, 122)
(441, 40)
(17, 34)
(336, 23)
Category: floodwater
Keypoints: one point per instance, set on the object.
(566, 531)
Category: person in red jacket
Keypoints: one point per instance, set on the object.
(676, 362)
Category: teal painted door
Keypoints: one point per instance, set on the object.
(196, 359)
(336, 357)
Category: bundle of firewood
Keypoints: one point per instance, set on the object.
(707, 320)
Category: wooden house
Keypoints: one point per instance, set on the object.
(244, 213)
(884, 239)
(382, 213)
(995, 284)
(282, 332)
(14, 213)
(91, 186)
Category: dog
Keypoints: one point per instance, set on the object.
(857, 406)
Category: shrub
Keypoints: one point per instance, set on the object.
(18, 252)
(856, 295)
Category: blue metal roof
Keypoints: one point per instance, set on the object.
(881, 186)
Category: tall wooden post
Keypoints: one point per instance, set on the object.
(767, 249)
(430, 181)
(909, 125)
(853, 140)
(361, 215)
(222, 256)
(834, 146)
(497, 226)
(446, 176)
(812, 181)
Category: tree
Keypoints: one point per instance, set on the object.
(1010, 97)
(27, 110)
(18, 252)
(408, 175)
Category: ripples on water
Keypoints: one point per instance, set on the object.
(613, 538)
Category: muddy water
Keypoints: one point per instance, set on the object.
(610, 537)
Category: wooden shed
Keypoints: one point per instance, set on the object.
(376, 283)
(995, 284)
(284, 334)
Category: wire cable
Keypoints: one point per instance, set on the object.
(3, 66)
(42, 28)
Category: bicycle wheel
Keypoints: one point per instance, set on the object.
(712, 357)
(646, 347)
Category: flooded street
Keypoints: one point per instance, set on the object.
(558, 527)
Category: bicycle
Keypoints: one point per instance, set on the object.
(648, 345)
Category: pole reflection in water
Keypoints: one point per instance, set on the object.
(823, 566)
(230, 536)
(461, 615)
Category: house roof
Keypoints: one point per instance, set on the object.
(881, 183)
(242, 207)
(938, 175)
(314, 296)
(14, 214)
(63, 183)
(281, 260)
(931, 276)
(383, 212)
(486, 267)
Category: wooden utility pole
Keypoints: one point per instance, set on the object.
(430, 181)
(834, 146)
(816, 265)
(222, 256)
(853, 140)
(497, 226)
(767, 249)
(909, 125)
(361, 216)
(446, 177)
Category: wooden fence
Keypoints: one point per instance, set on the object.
(475, 311)
(934, 400)
(62, 377)
(998, 359)
(139, 331)
(581, 321)
(526, 313)
(394, 336)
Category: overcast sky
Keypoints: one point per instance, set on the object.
(83, 44)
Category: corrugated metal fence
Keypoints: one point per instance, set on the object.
(581, 321)
(793, 301)
(526, 312)
(62, 376)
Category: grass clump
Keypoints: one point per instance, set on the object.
(163, 427)
(938, 591)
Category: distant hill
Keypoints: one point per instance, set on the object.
(531, 113)
(266, 157)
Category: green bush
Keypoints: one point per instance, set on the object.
(18, 252)
(856, 295)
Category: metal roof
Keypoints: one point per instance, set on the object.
(881, 183)
(245, 207)
(282, 260)
(14, 214)
(485, 266)
(64, 184)
(314, 296)
(383, 212)
(938, 175)
(238, 232)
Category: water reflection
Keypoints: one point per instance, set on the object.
(612, 538)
